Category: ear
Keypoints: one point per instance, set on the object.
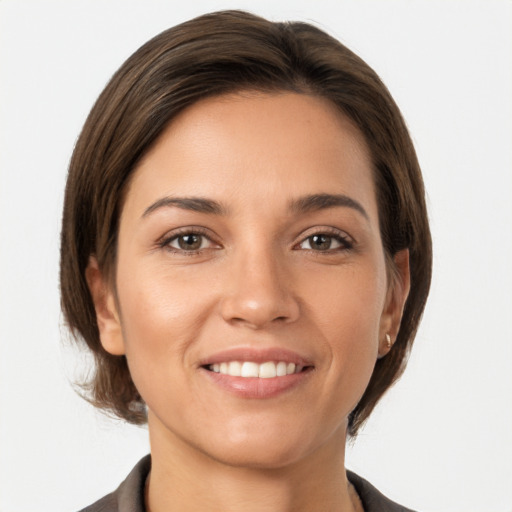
(107, 316)
(398, 291)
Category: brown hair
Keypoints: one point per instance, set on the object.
(212, 55)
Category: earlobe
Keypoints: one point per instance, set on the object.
(398, 291)
(107, 316)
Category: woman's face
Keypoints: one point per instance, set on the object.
(252, 293)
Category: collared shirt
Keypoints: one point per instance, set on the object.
(129, 496)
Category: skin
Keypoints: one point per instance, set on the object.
(257, 281)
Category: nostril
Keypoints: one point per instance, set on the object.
(257, 307)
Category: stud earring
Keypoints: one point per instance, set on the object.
(389, 343)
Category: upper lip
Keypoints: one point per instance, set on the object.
(256, 355)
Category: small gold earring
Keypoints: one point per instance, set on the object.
(389, 343)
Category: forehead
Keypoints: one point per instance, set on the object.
(253, 144)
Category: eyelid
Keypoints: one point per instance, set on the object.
(164, 241)
(345, 239)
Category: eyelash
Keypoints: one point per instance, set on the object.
(346, 242)
(165, 243)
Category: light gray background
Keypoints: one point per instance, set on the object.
(441, 440)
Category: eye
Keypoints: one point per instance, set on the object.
(190, 242)
(324, 242)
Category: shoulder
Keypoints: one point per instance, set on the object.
(372, 499)
(129, 496)
(106, 504)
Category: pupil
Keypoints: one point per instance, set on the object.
(321, 241)
(189, 242)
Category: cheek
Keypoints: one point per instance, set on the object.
(161, 316)
(346, 307)
(349, 301)
(151, 297)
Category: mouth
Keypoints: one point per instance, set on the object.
(252, 369)
(257, 374)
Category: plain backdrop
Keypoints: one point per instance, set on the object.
(441, 440)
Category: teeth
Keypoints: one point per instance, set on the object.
(265, 370)
(235, 369)
(281, 368)
(250, 369)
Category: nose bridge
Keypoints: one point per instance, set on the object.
(258, 290)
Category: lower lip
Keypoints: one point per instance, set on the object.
(254, 387)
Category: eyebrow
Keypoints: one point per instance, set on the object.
(317, 202)
(301, 205)
(196, 204)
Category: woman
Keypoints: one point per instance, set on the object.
(246, 252)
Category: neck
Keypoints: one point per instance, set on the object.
(185, 479)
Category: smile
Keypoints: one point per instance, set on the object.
(257, 373)
(265, 370)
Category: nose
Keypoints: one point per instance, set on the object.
(258, 291)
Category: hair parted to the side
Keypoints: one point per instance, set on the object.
(211, 55)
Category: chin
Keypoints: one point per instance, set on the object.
(261, 448)
(269, 456)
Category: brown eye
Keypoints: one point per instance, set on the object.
(189, 242)
(320, 242)
(325, 242)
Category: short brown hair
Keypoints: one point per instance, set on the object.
(212, 55)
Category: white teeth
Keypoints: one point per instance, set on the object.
(235, 369)
(250, 369)
(266, 370)
(281, 368)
